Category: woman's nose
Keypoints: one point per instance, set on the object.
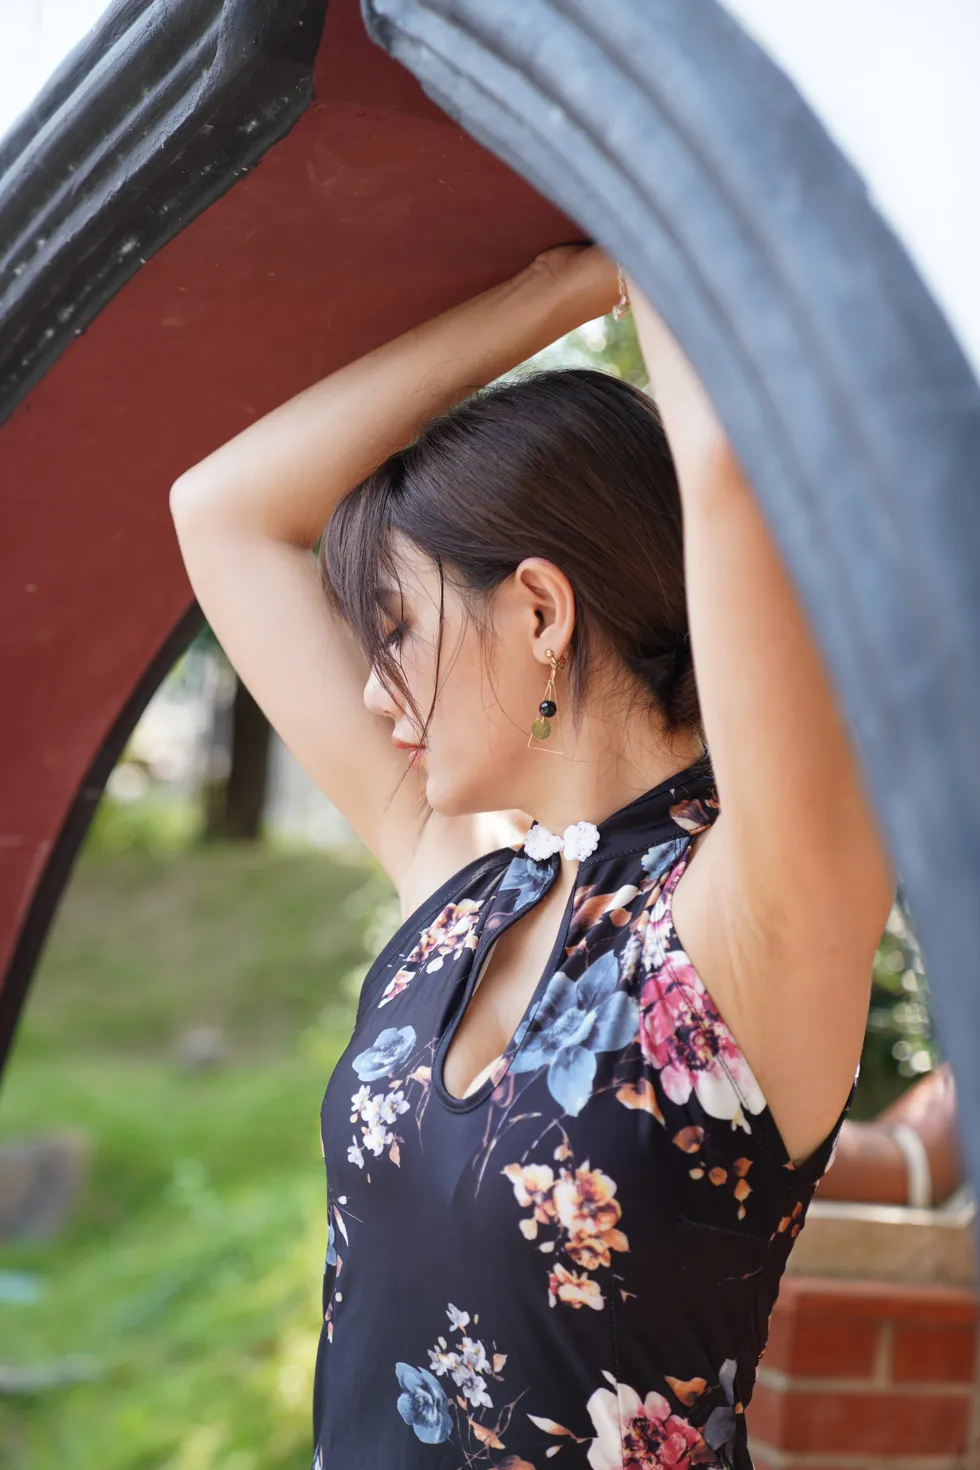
(377, 700)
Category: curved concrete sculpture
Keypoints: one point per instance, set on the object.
(678, 139)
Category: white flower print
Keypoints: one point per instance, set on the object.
(467, 1363)
(474, 1356)
(375, 1110)
(462, 1368)
(457, 1319)
(375, 1137)
(392, 1103)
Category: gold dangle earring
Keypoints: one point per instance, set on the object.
(548, 712)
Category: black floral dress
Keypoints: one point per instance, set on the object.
(576, 1262)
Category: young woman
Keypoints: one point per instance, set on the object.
(596, 1075)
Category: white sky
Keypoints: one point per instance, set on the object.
(895, 83)
(34, 36)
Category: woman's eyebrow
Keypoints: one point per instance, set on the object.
(390, 598)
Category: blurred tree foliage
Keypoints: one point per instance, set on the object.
(613, 346)
(900, 1043)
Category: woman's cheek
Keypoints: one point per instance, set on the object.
(418, 668)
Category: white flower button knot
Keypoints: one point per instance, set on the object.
(578, 841)
(581, 839)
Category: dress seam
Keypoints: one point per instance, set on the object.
(615, 1358)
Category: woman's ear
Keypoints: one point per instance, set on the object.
(547, 596)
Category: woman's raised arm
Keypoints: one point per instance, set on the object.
(248, 516)
(785, 903)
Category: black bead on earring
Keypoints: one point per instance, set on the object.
(548, 708)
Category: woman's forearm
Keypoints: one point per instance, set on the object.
(283, 475)
(693, 428)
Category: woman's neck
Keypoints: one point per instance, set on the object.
(603, 768)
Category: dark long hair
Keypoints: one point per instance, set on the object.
(570, 464)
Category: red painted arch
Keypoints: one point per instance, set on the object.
(373, 213)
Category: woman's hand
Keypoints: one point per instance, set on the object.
(583, 275)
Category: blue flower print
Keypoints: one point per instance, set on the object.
(391, 1047)
(576, 1019)
(527, 878)
(719, 1432)
(658, 859)
(331, 1259)
(423, 1404)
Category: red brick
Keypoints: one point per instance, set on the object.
(885, 1300)
(818, 1340)
(925, 1353)
(764, 1415)
(796, 1462)
(860, 1423)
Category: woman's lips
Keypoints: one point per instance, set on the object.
(416, 750)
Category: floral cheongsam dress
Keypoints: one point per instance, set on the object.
(574, 1264)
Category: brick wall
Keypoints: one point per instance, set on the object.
(867, 1375)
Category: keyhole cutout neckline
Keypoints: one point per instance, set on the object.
(481, 956)
(631, 828)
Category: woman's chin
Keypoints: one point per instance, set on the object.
(454, 796)
(443, 797)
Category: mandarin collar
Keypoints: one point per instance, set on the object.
(682, 803)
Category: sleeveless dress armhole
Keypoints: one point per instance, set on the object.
(740, 1075)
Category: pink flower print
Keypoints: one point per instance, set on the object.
(683, 1035)
(641, 1434)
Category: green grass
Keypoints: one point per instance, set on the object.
(146, 944)
(191, 1276)
(188, 1280)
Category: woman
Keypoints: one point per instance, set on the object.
(562, 1188)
